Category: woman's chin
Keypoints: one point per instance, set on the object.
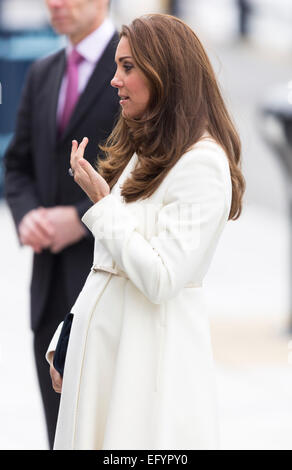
(127, 115)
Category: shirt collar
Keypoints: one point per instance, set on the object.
(93, 45)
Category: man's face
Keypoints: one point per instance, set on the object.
(76, 18)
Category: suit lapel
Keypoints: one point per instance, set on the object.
(54, 84)
(100, 78)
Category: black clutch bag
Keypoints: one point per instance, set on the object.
(62, 345)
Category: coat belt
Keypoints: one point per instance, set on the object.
(117, 272)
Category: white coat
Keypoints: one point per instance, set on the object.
(139, 371)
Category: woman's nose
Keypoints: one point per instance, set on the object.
(116, 82)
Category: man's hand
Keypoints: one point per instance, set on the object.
(51, 228)
(68, 228)
(36, 230)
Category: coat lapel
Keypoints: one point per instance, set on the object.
(100, 78)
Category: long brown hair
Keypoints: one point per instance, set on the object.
(185, 101)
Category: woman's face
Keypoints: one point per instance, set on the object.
(133, 87)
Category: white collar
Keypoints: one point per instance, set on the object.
(93, 45)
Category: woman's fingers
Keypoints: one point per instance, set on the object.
(81, 148)
(84, 142)
(87, 167)
(73, 153)
(73, 148)
(77, 152)
(85, 175)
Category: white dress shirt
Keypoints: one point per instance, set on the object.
(91, 48)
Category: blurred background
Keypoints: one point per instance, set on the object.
(248, 288)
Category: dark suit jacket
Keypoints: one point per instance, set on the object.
(37, 161)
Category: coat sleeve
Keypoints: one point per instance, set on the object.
(195, 209)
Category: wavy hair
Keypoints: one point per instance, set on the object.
(185, 101)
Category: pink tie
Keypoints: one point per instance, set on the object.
(71, 97)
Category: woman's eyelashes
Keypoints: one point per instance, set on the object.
(127, 67)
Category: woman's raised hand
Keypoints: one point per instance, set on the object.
(92, 183)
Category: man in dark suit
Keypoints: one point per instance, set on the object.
(62, 100)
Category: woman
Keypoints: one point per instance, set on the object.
(139, 370)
